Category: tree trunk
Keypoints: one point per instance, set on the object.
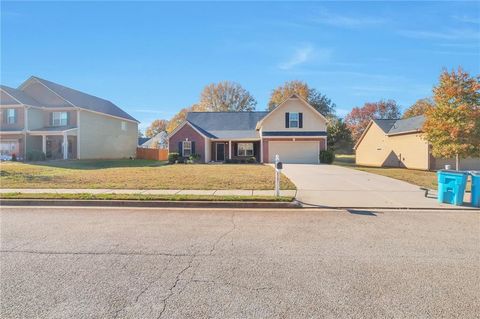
(457, 162)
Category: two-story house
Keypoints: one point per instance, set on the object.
(63, 123)
(294, 130)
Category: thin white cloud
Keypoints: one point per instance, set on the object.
(344, 21)
(452, 34)
(304, 54)
(300, 56)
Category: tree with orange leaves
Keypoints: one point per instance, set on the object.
(453, 126)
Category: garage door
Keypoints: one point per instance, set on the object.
(295, 152)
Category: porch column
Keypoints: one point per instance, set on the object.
(65, 146)
(44, 144)
(229, 149)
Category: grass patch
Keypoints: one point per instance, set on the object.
(137, 174)
(421, 178)
(140, 197)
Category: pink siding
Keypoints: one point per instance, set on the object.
(187, 132)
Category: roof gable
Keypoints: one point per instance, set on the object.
(297, 97)
(80, 99)
(19, 96)
(395, 126)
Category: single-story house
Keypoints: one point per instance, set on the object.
(63, 123)
(160, 140)
(294, 130)
(401, 143)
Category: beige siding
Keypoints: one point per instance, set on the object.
(101, 136)
(373, 150)
(411, 150)
(35, 119)
(312, 121)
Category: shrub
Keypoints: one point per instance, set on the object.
(36, 156)
(14, 157)
(327, 157)
(194, 158)
(173, 157)
(251, 160)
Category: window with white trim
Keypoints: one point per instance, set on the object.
(124, 126)
(186, 148)
(11, 118)
(245, 149)
(59, 119)
(293, 119)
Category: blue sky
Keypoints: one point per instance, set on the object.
(153, 58)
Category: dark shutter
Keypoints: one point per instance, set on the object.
(68, 118)
(300, 120)
(287, 120)
(235, 149)
(180, 148)
(4, 119)
(51, 118)
(193, 147)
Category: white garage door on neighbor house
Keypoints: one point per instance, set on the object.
(305, 152)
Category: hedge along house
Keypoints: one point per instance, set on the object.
(294, 130)
(63, 123)
(401, 143)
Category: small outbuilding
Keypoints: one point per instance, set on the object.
(401, 143)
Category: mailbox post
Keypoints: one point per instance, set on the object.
(278, 170)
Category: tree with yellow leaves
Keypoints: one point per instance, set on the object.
(453, 126)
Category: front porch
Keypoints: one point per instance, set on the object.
(55, 144)
(233, 151)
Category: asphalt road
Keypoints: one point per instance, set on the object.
(151, 263)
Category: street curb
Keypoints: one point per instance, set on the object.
(147, 203)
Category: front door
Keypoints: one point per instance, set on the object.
(220, 152)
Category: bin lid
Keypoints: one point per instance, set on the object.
(451, 171)
(476, 173)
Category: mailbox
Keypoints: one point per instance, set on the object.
(279, 165)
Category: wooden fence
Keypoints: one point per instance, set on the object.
(152, 154)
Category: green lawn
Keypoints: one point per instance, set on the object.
(417, 177)
(137, 174)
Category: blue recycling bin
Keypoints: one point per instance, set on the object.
(451, 186)
(475, 188)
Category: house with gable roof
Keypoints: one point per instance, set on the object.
(63, 123)
(294, 130)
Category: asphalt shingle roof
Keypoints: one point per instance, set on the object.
(407, 125)
(20, 96)
(226, 124)
(399, 126)
(85, 100)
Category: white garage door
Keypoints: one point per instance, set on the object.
(295, 152)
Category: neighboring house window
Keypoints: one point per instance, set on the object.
(293, 119)
(59, 118)
(11, 118)
(245, 149)
(187, 148)
(124, 126)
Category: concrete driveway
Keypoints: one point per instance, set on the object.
(336, 186)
